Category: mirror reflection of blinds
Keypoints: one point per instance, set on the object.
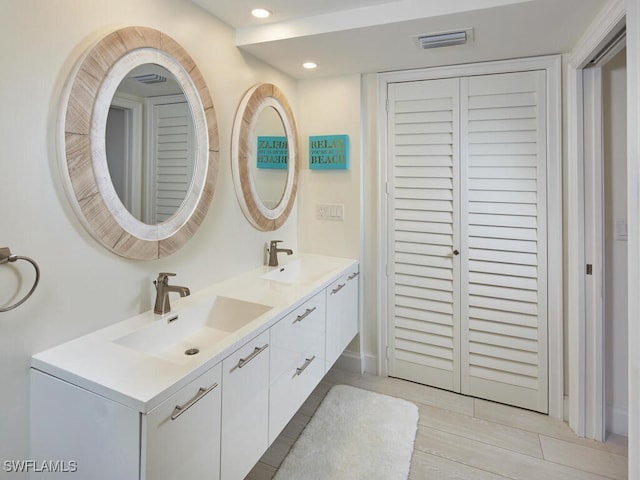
(174, 153)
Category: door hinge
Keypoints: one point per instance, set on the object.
(589, 269)
(387, 353)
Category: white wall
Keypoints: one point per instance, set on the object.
(633, 209)
(332, 106)
(84, 286)
(614, 90)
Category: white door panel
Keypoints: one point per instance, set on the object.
(424, 129)
(467, 236)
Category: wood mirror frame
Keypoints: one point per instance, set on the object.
(83, 151)
(255, 100)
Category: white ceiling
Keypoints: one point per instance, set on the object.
(362, 36)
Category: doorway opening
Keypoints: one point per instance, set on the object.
(595, 243)
(606, 240)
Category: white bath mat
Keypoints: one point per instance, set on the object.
(354, 435)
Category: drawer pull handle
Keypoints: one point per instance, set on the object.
(256, 351)
(338, 288)
(353, 275)
(304, 315)
(180, 409)
(304, 366)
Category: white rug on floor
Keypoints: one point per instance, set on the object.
(354, 435)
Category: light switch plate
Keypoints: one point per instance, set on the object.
(621, 230)
(330, 211)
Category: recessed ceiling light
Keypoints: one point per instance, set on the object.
(260, 13)
(309, 65)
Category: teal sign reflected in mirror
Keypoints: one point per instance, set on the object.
(272, 152)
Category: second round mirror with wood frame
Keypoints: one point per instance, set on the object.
(253, 149)
(87, 174)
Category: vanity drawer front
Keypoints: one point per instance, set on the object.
(181, 437)
(342, 314)
(294, 335)
(245, 407)
(289, 391)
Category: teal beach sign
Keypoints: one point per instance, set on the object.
(329, 152)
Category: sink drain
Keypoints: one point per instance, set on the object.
(191, 351)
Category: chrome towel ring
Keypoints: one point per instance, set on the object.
(5, 257)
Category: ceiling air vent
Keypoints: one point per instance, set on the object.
(150, 78)
(444, 39)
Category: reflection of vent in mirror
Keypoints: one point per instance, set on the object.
(150, 78)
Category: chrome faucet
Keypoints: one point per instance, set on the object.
(163, 288)
(274, 250)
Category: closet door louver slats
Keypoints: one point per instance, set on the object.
(503, 230)
(467, 173)
(424, 126)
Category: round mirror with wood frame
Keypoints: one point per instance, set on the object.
(84, 112)
(243, 155)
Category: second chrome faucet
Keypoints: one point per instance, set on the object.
(274, 250)
(163, 289)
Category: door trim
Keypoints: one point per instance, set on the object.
(585, 325)
(552, 66)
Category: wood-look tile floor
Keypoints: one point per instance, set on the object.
(465, 438)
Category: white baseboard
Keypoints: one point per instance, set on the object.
(357, 362)
(617, 420)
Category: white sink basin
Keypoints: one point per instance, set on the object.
(184, 335)
(299, 271)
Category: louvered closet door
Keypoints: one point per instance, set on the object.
(467, 173)
(423, 211)
(503, 229)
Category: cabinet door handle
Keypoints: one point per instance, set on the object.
(180, 409)
(304, 366)
(256, 351)
(338, 288)
(304, 315)
(353, 275)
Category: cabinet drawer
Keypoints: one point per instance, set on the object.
(294, 335)
(289, 391)
(342, 314)
(181, 437)
(245, 407)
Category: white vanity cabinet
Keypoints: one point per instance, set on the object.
(245, 407)
(114, 410)
(181, 437)
(342, 314)
(297, 361)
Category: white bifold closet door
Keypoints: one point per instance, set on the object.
(467, 236)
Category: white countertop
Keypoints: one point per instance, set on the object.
(142, 381)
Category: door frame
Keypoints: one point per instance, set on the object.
(585, 343)
(134, 161)
(552, 65)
